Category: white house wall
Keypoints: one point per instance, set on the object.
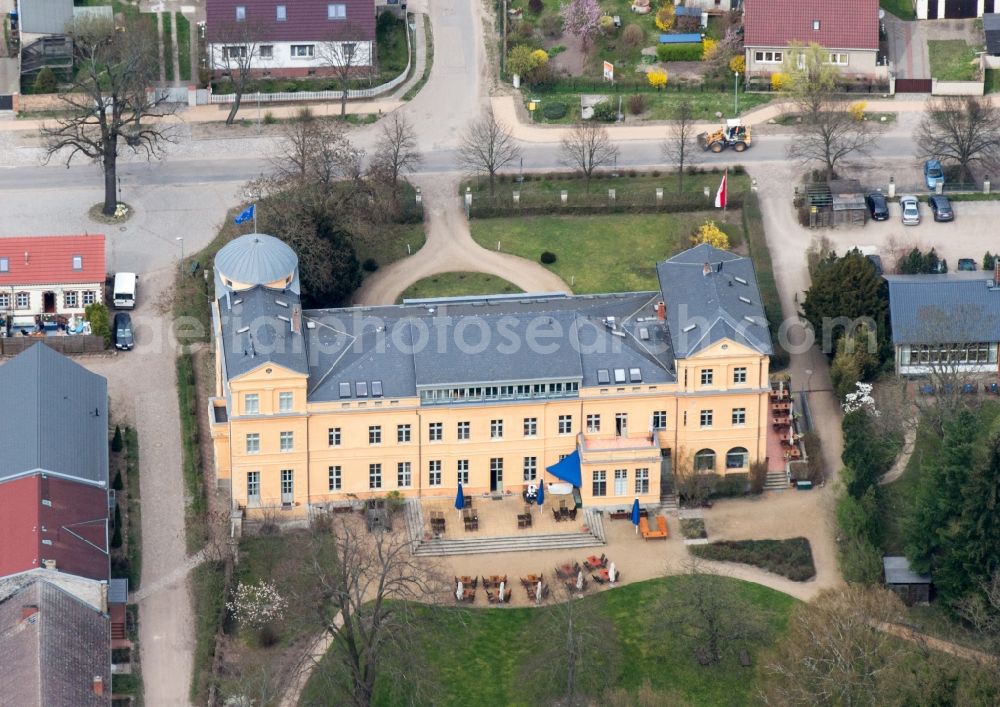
(282, 59)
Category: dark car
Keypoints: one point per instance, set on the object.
(966, 265)
(876, 261)
(941, 208)
(940, 267)
(124, 339)
(877, 206)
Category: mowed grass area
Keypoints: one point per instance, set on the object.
(659, 105)
(628, 182)
(455, 284)
(606, 253)
(903, 9)
(951, 59)
(484, 656)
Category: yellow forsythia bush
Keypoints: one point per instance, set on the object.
(665, 17)
(738, 63)
(539, 57)
(709, 233)
(858, 110)
(657, 78)
(779, 81)
(708, 47)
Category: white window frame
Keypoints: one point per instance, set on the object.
(374, 435)
(530, 468)
(404, 474)
(739, 417)
(599, 484)
(333, 436)
(659, 421)
(302, 51)
(839, 58)
(78, 262)
(463, 430)
(403, 433)
(22, 300)
(531, 427)
(434, 472)
(621, 482)
(739, 375)
(641, 481)
(374, 476)
(435, 431)
(286, 401)
(334, 477)
(89, 297)
(565, 424)
(251, 403)
(265, 52)
(280, 13)
(768, 57)
(462, 471)
(496, 429)
(593, 422)
(286, 441)
(336, 11)
(707, 376)
(253, 442)
(4, 300)
(705, 418)
(253, 487)
(70, 299)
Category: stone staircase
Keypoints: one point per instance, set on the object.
(776, 481)
(669, 503)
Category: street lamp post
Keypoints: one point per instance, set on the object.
(736, 94)
(809, 377)
(180, 239)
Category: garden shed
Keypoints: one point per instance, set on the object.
(911, 587)
(847, 202)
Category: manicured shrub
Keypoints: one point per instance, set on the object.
(370, 265)
(116, 441)
(548, 258)
(45, 82)
(554, 110)
(100, 324)
(606, 111)
(117, 483)
(636, 103)
(633, 35)
(679, 52)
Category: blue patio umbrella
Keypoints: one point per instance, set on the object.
(540, 498)
(635, 515)
(460, 499)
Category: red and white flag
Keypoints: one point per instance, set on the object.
(720, 196)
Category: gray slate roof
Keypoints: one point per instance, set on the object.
(256, 259)
(897, 571)
(57, 418)
(253, 335)
(712, 294)
(953, 308)
(52, 656)
(991, 27)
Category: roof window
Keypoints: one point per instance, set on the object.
(78, 262)
(816, 25)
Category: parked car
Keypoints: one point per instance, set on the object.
(933, 174)
(940, 267)
(124, 339)
(876, 260)
(877, 206)
(911, 210)
(941, 208)
(966, 265)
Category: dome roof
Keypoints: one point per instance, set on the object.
(256, 259)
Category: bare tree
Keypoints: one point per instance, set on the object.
(236, 50)
(108, 99)
(834, 652)
(487, 146)
(679, 147)
(982, 610)
(366, 589)
(345, 57)
(587, 147)
(961, 129)
(316, 153)
(396, 149)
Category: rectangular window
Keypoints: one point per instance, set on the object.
(434, 472)
(374, 434)
(22, 300)
(740, 374)
(78, 262)
(530, 468)
(739, 416)
(251, 404)
(4, 265)
(69, 299)
(530, 426)
(621, 424)
(89, 297)
(253, 443)
(641, 481)
(839, 58)
(374, 476)
(253, 486)
(280, 13)
(565, 424)
(435, 431)
(285, 402)
(706, 376)
(336, 11)
(768, 57)
(496, 429)
(5, 300)
(496, 469)
(621, 482)
(287, 441)
(463, 471)
(404, 474)
(706, 418)
(287, 486)
(600, 484)
(333, 478)
(302, 51)
(241, 13)
(234, 52)
(333, 436)
(266, 51)
(463, 430)
(402, 433)
(593, 423)
(659, 419)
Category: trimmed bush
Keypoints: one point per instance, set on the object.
(633, 35)
(117, 484)
(679, 52)
(606, 111)
(790, 558)
(554, 110)
(116, 441)
(100, 322)
(45, 82)
(548, 258)
(370, 265)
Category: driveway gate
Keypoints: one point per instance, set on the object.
(6, 103)
(913, 85)
(959, 9)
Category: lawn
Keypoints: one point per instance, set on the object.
(454, 284)
(183, 28)
(992, 81)
(791, 558)
(951, 60)
(168, 48)
(603, 253)
(208, 593)
(482, 656)
(390, 38)
(539, 186)
(659, 105)
(903, 9)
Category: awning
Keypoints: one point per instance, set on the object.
(567, 469)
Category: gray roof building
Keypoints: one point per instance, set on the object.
(991, 27)
(55, 650)
(262, 326)
(61, 421)
(954, 308)
(897, 571)
(256, 259)
(712, 294)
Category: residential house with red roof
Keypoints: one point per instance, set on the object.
(847, 28)
(50, 275)
(282, 38)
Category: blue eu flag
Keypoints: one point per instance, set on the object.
(244, 215)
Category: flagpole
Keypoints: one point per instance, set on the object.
(725, 195)
(254, 218)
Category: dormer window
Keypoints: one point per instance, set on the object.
(281, 13)
(78, 262)
(241, 13)
(4, 265)
(336, 11)
(816, 25)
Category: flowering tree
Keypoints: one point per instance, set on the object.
(709, 233)
(860, 400)
(665, 17)
(708, 49)
(256, 605)
(581, 18)
(738, 64)
(657, 78)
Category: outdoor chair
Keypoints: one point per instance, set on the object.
(572, 514)
(597, 578)
(490, 597)
(507, 594)
(469, 595)
(556, 515)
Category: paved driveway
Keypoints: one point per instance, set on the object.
(908, 48)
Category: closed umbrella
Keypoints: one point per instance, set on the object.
(635, 515)
(612, 573)
(579, 580)
(538, 592)
(459, 592)
(503, 585)
(540, 498)
(460, 499)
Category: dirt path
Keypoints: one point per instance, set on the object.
(450, 248)
(909, 437)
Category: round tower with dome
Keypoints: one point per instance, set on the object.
(255, 259)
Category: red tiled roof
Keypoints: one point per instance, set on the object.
(843, 24)
(75, 523)
(48, 260)
(306, 20)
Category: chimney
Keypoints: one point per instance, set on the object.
(296, 319)
(98, 685)
(706, 269)
(661, 311)
(26, 259)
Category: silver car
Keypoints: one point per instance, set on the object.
(911, 210)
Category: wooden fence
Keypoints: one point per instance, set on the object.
(82, 344)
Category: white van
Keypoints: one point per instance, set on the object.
(125, 290)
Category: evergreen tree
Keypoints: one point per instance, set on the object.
(45, 81)
(866, 453)
(116, 537)
(117, 484)
(116, 442)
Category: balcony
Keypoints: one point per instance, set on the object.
(609, 448)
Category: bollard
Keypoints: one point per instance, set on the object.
(892, 187)
(419, 196)
(986, 184)
(517, 197)
(611, 195)
(659, 195)
(563, 196)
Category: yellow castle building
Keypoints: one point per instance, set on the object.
(602, 397)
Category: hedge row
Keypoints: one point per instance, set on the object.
(484, 207)
(679, 52)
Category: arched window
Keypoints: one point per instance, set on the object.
(737, 458)
(704, 460)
